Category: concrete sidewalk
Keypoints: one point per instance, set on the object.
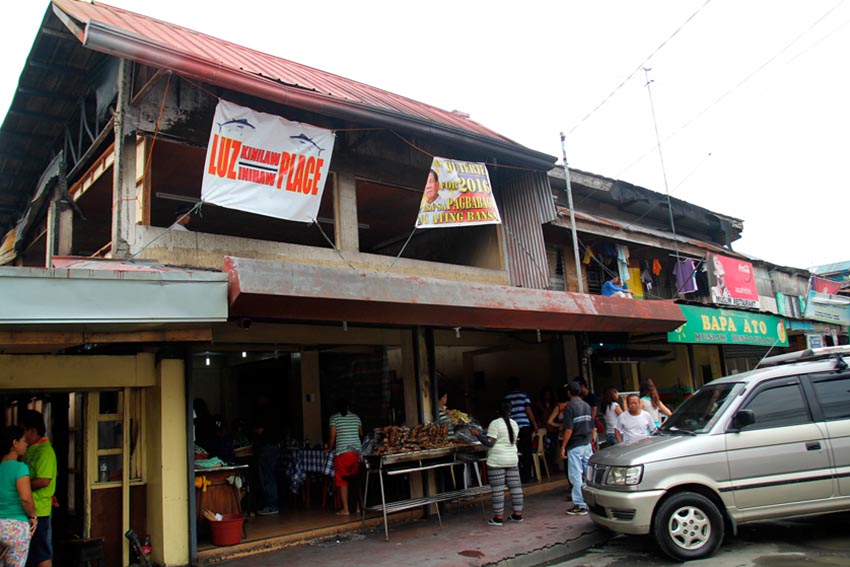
(465, 539)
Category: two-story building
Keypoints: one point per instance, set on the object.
(738, 308)
(120, 324)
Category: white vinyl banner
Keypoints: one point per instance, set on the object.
(262, 163)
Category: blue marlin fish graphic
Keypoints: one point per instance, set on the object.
(304, 139)
(239, 123)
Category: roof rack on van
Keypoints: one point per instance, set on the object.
(837, 352)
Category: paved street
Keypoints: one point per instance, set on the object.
(823, 541)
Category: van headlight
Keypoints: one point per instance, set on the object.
(624, 476)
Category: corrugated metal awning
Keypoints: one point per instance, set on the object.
(98, 297)
(273, 290)
(636, 233)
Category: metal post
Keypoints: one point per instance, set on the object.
(572, 214)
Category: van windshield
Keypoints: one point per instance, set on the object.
(697, 414)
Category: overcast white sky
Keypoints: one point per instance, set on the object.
(752, 97)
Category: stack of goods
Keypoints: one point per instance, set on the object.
(458, 417)
(393, 439)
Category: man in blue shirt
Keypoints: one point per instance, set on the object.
(612, 288)
(523, 414)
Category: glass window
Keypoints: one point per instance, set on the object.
(698, 411)
(111, 403)
(109, 434)
(834, 397)
(109, 468)
(779, 406)
(109, 422)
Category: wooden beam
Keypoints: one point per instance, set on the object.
(67, 372)
(95, 172)
(163, 336)
(78, 338)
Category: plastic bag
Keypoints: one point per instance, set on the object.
(464, 433)
(368, 445)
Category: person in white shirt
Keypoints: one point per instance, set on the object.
(502, 464)
(611, 410)
(652, 403)
(634, 424)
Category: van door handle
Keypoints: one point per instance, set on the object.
(813, 446)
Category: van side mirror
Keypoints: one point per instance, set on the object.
(742, 419)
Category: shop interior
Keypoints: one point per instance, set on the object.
(245, 394)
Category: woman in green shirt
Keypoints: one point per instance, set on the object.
(17, 509)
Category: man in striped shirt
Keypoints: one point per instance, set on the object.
(346, 431)
(523, 414)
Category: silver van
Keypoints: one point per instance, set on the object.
(766, 444)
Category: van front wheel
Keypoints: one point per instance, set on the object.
(688, 526)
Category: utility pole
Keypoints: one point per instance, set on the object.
(572, 215)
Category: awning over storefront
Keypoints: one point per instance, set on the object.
(264, 289)
(53, 296)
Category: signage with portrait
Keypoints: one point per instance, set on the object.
(457, 193)
(732, 282)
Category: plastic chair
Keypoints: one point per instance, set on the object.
(540, 453)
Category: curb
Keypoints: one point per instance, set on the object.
(555, 553)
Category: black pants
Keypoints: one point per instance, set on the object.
(523, 444)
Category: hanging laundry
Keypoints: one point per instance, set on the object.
(685, 273)
(656, 267)
(646, 277)
(623, 262)
(606, 249)
(588, 255)
(635, 286)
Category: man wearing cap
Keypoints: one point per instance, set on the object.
(183, 218)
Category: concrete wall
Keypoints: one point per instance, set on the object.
(207, 251)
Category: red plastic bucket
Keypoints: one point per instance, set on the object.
(228, 530)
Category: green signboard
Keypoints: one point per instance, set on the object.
(707, 325)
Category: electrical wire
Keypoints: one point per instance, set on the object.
(737, 86)
(640, 66)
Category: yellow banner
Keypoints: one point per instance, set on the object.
(457, 193)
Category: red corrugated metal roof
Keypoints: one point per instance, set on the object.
(181, 41)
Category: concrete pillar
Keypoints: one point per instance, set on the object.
(345, 204)
(65, 230)
(167, 469)
(51, 237)
(124, 169)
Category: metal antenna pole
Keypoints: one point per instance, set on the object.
(572, 215)
(663, 169)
